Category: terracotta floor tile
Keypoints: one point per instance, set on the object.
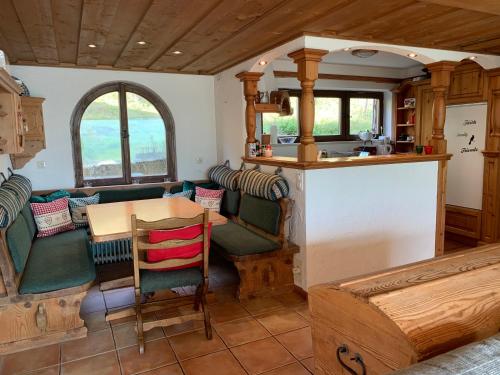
(258, 306)
(102, 364)
(225, 294)
(309, 364)
(282, 321)
(96, 321)
(291, 299)
(292, 369)
(195, 344)
(126, 335)
(226, 311)
(298, 342)
(261, 356)
(241, 331)
(53, 370)
(157, 354)
(166, 370)
(303, 311)
(220, 363)
(95, 343)
(176, 329)
(28, 360)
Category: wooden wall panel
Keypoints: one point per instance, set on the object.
(468, 84)
(463, 221)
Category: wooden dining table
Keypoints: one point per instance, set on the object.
(112, 221)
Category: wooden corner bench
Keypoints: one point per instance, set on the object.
(42, 284)
(255, 242)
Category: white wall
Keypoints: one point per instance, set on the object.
(366, 219)
(189, 98)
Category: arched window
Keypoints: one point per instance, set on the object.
(122, 133)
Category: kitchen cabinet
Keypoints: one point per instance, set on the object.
(11, 124)
(34, 130)
(467, 84)
(425, 99)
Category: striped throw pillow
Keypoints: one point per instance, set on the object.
(52, 218)
(78, 207)
(224, 176)
(9, 207)
(268, 186)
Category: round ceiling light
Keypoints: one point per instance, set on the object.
(92, 45)
(142, 42)
(472, 57)
(364, 53)
(177, 52)
(346, 49)
(412, 55)
(262, 62)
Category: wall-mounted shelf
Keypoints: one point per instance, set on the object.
(405, 125)
(408, 142)
(267, 108)
(11, 124)
(405, 108)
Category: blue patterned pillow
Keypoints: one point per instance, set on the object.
(186, 194)
(78, 207)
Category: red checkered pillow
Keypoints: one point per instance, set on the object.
(208, 198)
(52, 217)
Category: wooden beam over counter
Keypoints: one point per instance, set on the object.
(340, 77)
(307, 61)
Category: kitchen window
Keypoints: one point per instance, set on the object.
(339, 115)
(122, 133)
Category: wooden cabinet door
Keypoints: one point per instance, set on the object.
(467, 84)
(33, 118)
(424, 114)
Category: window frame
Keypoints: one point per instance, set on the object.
(345, 97)
(122, 88)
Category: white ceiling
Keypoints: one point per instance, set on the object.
(380, 59)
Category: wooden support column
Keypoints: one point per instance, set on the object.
(440, 82)
(307, 61)
(250, 81)
(490, 226)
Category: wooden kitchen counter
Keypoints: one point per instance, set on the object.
(342, 162)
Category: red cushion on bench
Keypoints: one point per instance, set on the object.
(182, 252)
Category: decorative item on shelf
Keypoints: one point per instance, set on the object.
(411, 118)
(266, 139)
(419, 149)
(257, 97)
(268, 151)
(410, 138)
(428, 149)
(252, 150)
(24, 89)
(286, 139)
(282, 98)
(264, 98)
(365, 136)
(409, 102)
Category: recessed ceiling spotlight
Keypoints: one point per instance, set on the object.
(346, 49)
(92, 46)
(412, 55)
(262, 62)
(364, 53)
(142, 42)
(472, 57)
(177, 52)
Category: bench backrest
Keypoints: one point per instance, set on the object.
(110, 196)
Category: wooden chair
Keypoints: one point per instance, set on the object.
(150, 276)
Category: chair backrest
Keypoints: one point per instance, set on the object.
(141, 244)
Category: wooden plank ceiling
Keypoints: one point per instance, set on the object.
(212, 35)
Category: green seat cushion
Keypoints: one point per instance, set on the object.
(78, 194)
(175, 189)
(188, 185)
(110, 196)
(30, 220)
(237, 240)
(230, 202)
(262, 213)
(152, 281)
(19, 242)
(58, 262)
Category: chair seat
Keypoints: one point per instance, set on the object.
(58, 262)
(239, 241)
(152, 281)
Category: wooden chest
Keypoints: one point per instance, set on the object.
(390, 320)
